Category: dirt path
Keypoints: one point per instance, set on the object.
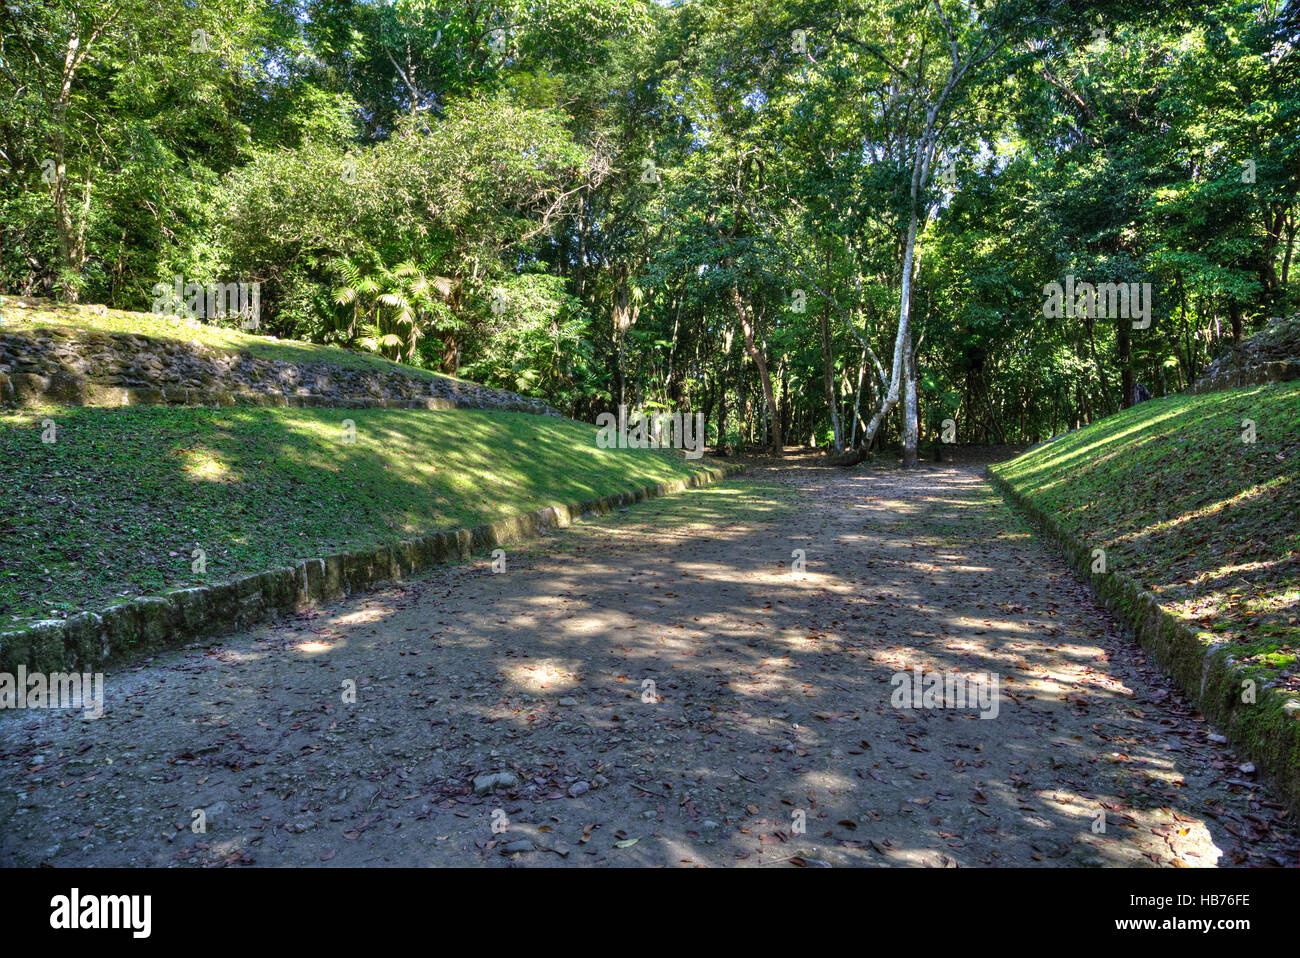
(773, 691)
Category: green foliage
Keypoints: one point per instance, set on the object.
(618, 166)
(401, 304)
(538, 343)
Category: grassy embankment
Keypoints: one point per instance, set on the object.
(118, 503)
(1207, 522)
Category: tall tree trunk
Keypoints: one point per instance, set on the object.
(895, 387)
(72, 229)
(1126, 363)
(911, 424)
(450, 359)
(450, 354)
(1290, 248)
(855, 416)
(922, 160)
(623, 316)
(787, 410)
(760, 364)
(1096, 360)
(828, 375)
(1189, 346)
(71, 239)
(675, 387)
(723, 368)
(903, 340)
(620, 380)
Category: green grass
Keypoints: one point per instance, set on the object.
(49, 315)
(1209, 523)
(116, 505)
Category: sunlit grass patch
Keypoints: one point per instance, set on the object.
(1179, 500)
(123, 497)
(81, 317)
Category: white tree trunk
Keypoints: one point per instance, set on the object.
(911, 432)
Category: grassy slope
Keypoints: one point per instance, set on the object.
(1208, 522)
(116, 505)
(49, 314)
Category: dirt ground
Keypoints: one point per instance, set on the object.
(768, 737)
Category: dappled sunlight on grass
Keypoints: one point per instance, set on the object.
(773, 695)
(1272, 487)
(172, 328)
(1182, 501)
(139, 488)
(202, 465)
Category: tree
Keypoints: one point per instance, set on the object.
(106, 89)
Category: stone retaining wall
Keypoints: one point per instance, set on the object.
(1267, 730)
(73, 366)
(1232, 377)
(92, 641)
(1272, 355)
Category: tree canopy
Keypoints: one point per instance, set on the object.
(820, 222)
